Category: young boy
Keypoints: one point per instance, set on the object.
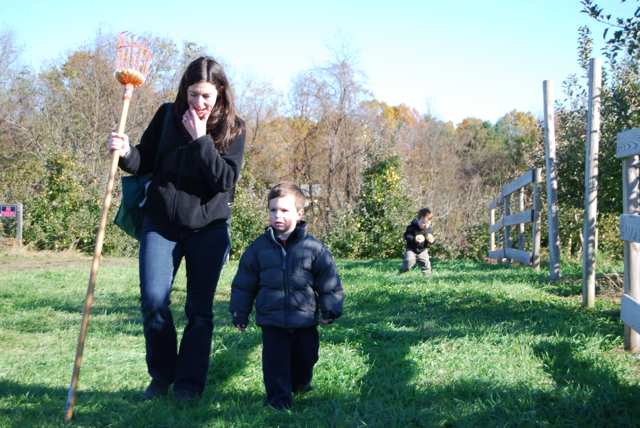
(418, 236)
(292, 277)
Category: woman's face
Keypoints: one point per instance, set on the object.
(202, 97)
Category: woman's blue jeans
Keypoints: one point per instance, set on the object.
(161, 251)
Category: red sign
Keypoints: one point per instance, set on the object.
(8, 210)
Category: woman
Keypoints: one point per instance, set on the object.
(186, 214)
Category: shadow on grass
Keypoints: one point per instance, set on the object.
(39, 406)
(384, 323)
(388, 323)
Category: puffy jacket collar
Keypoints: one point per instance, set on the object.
(298, 234)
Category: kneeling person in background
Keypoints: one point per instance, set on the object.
(418, 236)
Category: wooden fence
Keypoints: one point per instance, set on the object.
(502, 227)
(628, 150)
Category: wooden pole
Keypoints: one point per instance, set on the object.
(501, 232)
(507, 229)
(630, 193)
(536, 220)
(552, 181)
(521, 225)
(19, 226)
(97, 252)
(591, 184)
(492, 236)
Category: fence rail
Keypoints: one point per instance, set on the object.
(628, 150)
(519, 218)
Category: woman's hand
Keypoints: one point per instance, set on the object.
(195, 126)
(120, 143)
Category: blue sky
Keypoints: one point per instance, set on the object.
(452, 59)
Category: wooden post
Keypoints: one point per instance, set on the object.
(500, 232)
(630, 192)
(552, 181)
(591, 184)
(19, 226)
(492, 236)
(521, 225)
(536, 220)
(507, 229)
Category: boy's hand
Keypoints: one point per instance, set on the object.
(325, 321)
(419, 239)
(431, 238)
(241, 327)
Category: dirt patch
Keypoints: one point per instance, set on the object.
(609, 286)
(22, 259)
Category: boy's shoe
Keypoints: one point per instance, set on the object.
(304, 389)
(427, 273)
(185, 396)
(157, 389)
(278, 407)
(275, 408)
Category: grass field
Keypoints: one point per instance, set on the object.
(474, 345)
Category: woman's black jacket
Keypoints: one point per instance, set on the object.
(189, 190)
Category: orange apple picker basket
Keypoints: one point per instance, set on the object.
(132, 65)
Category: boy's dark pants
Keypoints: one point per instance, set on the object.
(288, 357)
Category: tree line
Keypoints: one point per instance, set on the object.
(367, 166)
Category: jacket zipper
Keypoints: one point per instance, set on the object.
(286, 280)
(286, 288)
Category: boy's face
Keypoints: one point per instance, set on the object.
(424, 223)
(283, 215)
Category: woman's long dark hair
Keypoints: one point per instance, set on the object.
(224, 123)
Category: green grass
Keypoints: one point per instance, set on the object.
(474, 345)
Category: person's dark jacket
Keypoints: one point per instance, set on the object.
(289, 286)
(410, 234)
(189, 190)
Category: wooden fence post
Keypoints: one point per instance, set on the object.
(552, 181)
(591, 184)
(630, 192)
(521, 225)
(501, 232)
(536, 220)
(507, 230)
(19, 226)
(492, 236)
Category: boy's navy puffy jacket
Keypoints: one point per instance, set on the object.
(410, 234)
(289, 288)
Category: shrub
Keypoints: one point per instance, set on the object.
(344, 238)
(64, 214)
(475, 242)
(249, 215)
(384, 209)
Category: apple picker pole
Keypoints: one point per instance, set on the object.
(132, 65)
